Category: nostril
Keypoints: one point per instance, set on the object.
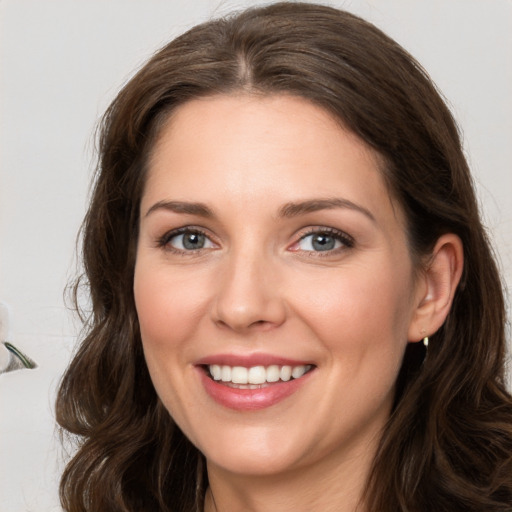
(262, 325)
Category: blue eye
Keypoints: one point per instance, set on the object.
(323, 241)
(188, 240)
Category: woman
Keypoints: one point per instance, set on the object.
(295, 305)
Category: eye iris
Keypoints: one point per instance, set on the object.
(193, 241)
(323, 242)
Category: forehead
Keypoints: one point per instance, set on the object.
(261, 148)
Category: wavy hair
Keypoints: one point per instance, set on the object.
(448, 443)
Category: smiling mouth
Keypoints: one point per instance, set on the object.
(255, 377)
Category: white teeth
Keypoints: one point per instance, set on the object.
(256, 374)
(239, 375)
(273, 373)
(225, 375)
(286, 373)
(298, 371)
(216, 371)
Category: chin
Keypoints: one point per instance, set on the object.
(252, 450)
(252, 464)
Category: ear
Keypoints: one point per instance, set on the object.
(436, 287)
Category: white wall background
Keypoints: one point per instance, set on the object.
(62, 61)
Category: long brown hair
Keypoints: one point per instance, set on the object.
(448, 443)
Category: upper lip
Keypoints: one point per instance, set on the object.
(249, 360)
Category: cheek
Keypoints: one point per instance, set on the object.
(367, 299)
(169, 305)
(169, 314)
(168, 310)
(360, 314)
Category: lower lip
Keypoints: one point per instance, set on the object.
(250, 399)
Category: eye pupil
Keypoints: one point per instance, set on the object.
(193, 241)
(323, 242)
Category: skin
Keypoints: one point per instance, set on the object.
(258, 286)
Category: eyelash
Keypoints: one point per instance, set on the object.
(164, 241)
(346, 240)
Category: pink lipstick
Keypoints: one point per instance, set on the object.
(251, 382)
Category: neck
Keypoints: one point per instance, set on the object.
(329, 486)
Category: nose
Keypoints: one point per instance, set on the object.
(248, 294)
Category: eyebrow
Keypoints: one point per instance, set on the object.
(199, 209)
(314, 205)
(292, 209)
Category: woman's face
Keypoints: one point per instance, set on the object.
(269, 246)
